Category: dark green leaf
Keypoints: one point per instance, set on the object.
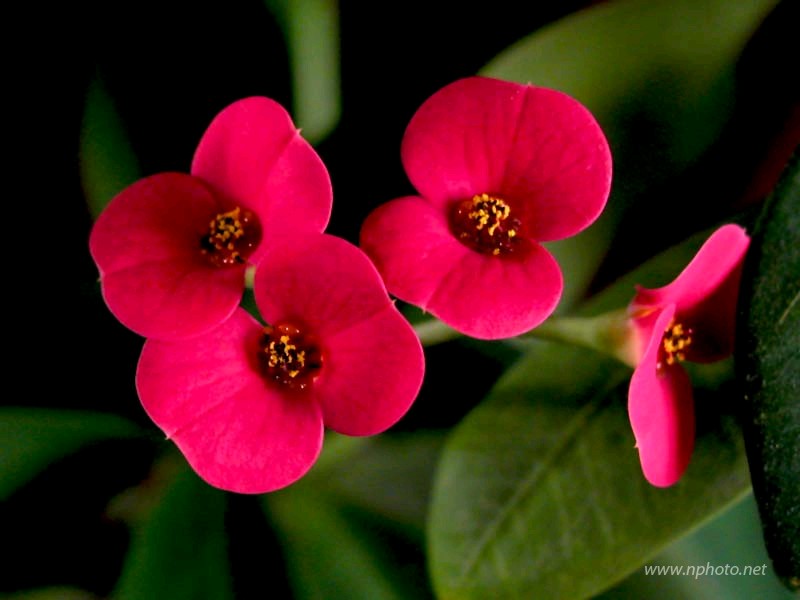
(180, 551)
(53, 593)
(657, 75)
(768, 356)
(326, 556)
(108, 163)
(539, 493)
(31, 439)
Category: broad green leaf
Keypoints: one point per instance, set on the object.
(180, 551)
(768, 354)
(32, 438)
(107, 161)
(311, 28)
(326, 556)
(657, 75)
(539, 492)
(731, 540)
(655, 272)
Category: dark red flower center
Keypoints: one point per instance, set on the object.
(232, 237)
(676, 340)
(485, 224)
(289, 357)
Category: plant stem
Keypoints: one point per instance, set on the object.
(608, 333)
(434, 332)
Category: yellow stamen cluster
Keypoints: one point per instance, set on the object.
(282, 353)
(485, 224)
(225, 229)
(486, 208)
(289, 357)
(676, 340)
(232, 236)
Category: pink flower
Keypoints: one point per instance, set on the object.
(499, 167)
(691, 319)
(246, 404)
(172, 249)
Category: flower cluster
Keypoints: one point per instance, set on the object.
(246, 403)
(499, 168)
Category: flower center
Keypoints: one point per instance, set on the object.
(232, 237)
(485, 224)
(676, 340)
(289, 357)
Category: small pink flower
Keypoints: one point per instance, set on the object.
(172, 248)
(246, 404)
(691, 319)
(499, 167)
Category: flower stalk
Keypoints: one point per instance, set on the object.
(608, 333)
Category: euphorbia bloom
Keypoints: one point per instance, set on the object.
(499, 167)
(691, 319)
(246, 404)
(172, 249)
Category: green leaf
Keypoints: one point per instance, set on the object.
(653, 273)
(311, 28)
(108, 163)
(326, 555)
(657, 75)
(51, 593)
(539, 492)
(32, 438)
(767, 354)
(731, 540)
(180, 551)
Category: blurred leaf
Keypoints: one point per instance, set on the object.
(180, 551)
(657, 75)
(326, 557)
(733, 539)
(311, 28)
(388, 475)
(107, 161)
(51, 593)
(769, 360)
(539, 492)
(32, 438)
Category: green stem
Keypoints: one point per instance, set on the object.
(434, 332)
(608, 333)
(249, 277)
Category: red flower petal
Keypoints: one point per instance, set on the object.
(661, 410)
(147, 247)
(320, 282)
(372, 373)
(536, 148)
(705, 294)
(488, 298)
(238, 432)
(412, 246)
(254, 157)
